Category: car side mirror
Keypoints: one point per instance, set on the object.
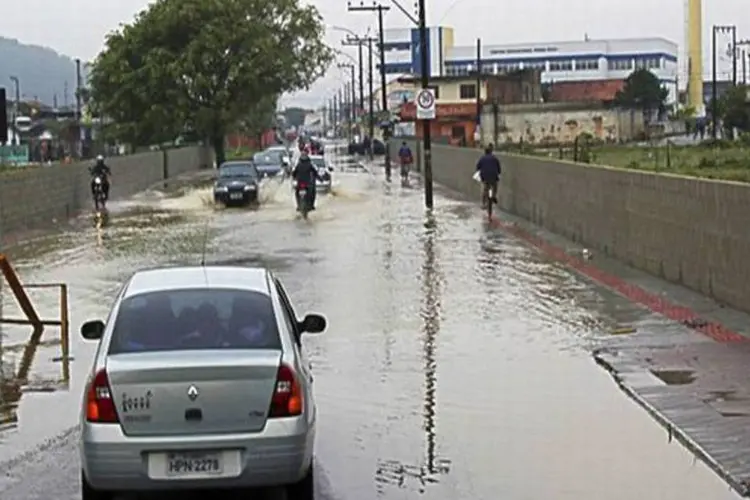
(313, 323)
(92, 330)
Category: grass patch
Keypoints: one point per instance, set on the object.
(722, 161)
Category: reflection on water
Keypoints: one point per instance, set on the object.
(394, 472)
(431, 315)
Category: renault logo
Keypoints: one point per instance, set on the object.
(192, 393)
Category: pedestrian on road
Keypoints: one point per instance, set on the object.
(489, 170)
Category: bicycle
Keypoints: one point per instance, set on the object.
(489, 196)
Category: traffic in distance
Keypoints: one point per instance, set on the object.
(201, 379)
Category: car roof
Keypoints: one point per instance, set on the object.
(317, 157)
(275, 148)
(235, 163)
(253, 279)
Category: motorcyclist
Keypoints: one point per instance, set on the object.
(306, 172)
(101, 170)
(489, 170)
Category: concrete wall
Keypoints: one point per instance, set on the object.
(557, 123)
(685, 230)
(32, 198)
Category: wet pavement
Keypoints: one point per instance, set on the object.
(457, 363)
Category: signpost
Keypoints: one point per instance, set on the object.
(426, 108)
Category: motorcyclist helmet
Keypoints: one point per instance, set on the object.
(304, 155)
(100, 159)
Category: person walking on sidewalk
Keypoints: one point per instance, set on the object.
(489, 170)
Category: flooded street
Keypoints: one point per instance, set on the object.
(457, 363)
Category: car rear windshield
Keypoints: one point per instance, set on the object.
(195, 319)
(319, 162)
(268, 160)
(237, 170)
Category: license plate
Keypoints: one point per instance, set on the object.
(235, 196)
(302, 192)
(194, 464)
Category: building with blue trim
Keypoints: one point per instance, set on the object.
(583, 60)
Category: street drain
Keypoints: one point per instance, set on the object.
(675, 377)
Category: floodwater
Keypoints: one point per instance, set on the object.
(456, 365)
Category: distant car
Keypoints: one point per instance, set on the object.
(325, 171)
(237, 183)
(286, 155)
(269, 164)
(200, 381)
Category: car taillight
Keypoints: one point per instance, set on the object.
(287, 395)
(100, 405)
(301, 185)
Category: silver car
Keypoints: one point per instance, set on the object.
(200, 381)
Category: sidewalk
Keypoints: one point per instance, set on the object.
(680, 355)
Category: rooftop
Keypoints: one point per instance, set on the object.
(174, 278)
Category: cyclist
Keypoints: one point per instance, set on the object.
(489, 170)
(406, 158)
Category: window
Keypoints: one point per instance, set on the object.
(238, 169)
(561, 65)
(467, 91)
(620, 64)
(535, 65)
(290, 317)
(587, 64)
(648, 63)
(195, 319)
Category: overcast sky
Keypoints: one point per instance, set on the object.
(77, 27)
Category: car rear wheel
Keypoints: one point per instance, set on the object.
(304, 489)
(89, 493)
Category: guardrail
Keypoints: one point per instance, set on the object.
(10, 390)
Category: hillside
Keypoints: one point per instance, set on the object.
(41, 71)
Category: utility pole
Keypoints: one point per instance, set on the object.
(361, 42)
(426, 132)
(714, 53)
(381, 10)
(352, 113)
(335, 119)
(372, 99)
(78, 106)
(479, 92)
(16, 108)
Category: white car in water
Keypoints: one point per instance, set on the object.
(325, 183)
(200, 381)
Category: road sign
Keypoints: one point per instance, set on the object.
(426, 104)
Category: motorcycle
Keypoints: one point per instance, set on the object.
(303, 195)
(100, 198)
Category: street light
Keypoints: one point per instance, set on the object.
(361, 41)
(352, 114)
(16, 107)
(381, 10)
(714, 53)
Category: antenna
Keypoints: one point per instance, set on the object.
(205, 242)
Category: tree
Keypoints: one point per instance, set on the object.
(205, 65)
(260, 117)
(642, 91)
(734, 107)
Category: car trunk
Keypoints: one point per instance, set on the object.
(193, 392)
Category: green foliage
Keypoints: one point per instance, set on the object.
(259, 117)
(642, 91)
(735, 108)
(206, 66)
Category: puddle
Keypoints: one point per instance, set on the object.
(675, 377)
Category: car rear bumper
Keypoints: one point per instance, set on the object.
(279, 455)
(244, 198)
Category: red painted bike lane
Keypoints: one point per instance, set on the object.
(692, 380)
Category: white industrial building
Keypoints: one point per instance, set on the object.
(583, 60)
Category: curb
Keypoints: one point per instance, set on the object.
(742, 487)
